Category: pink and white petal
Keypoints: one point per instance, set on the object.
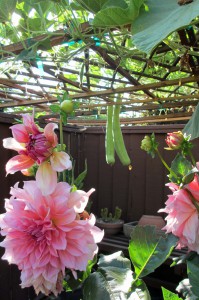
(29, 124)
(20, 133)
(11, 143)
(50, 134)
(18, 163)
(79, 200)
(60, 161)
(46, 178)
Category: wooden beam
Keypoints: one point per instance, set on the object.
(56, 38)
(148, 119)
(10, 83)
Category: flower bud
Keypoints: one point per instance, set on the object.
(174, 140)
(146, 143)
(149, 145)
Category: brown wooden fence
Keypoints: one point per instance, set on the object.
(139, 191)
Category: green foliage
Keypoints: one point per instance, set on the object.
(78, 182)
(92, 5)
(6, 9)
(71, 284)
(112, 280)
(167, 295)
(192, 127)
(127, 12)
(148, 251)
(181, 167)
(55, 108)
(193, 271)
(109, 217)
(139, 291)
(160, 20)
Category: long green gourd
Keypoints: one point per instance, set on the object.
(120, 147)
(109, 142)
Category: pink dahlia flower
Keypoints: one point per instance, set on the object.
(34, 145)
(183, 219)
(43, 235)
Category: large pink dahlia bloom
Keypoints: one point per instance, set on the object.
(34, 145)
(183, 215)
(43, 235)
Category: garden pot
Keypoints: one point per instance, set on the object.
(156, 221)
(128, 228)
(110, 228)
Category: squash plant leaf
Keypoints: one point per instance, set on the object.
(149, 28)
(118, 13)
(6, 9)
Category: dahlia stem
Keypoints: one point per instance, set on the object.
(192, 158)
(165, 164)
(62, 142)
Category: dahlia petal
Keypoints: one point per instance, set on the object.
(19, 133)
(18, 163)
(11, 143)
(49, 133)
(60, 161)
(29, 124)
(42, 236)
(46, 178)
(61, 192)
(79, 199)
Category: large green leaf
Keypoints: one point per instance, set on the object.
(148, 251)
(92, 5)
(167, 295)
(118, 13)
(193, 271)
(161, 19)
(192, 127)
(111, 281)
(7, 7)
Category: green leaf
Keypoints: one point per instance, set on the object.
(55, 108)
(192, 127)
(184, 288)
(148, 251)
(27, 54)
(160, 20)
(193, 271)
(92, 5)
(167, 295)
(89, 267)
(80, 178)
(115, 3)
(112, 279)
(6, 9)
(116, 259)
(139, 291)
(189, 176)
(181, 167)
(115, 14)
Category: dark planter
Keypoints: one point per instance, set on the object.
(110, 228)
